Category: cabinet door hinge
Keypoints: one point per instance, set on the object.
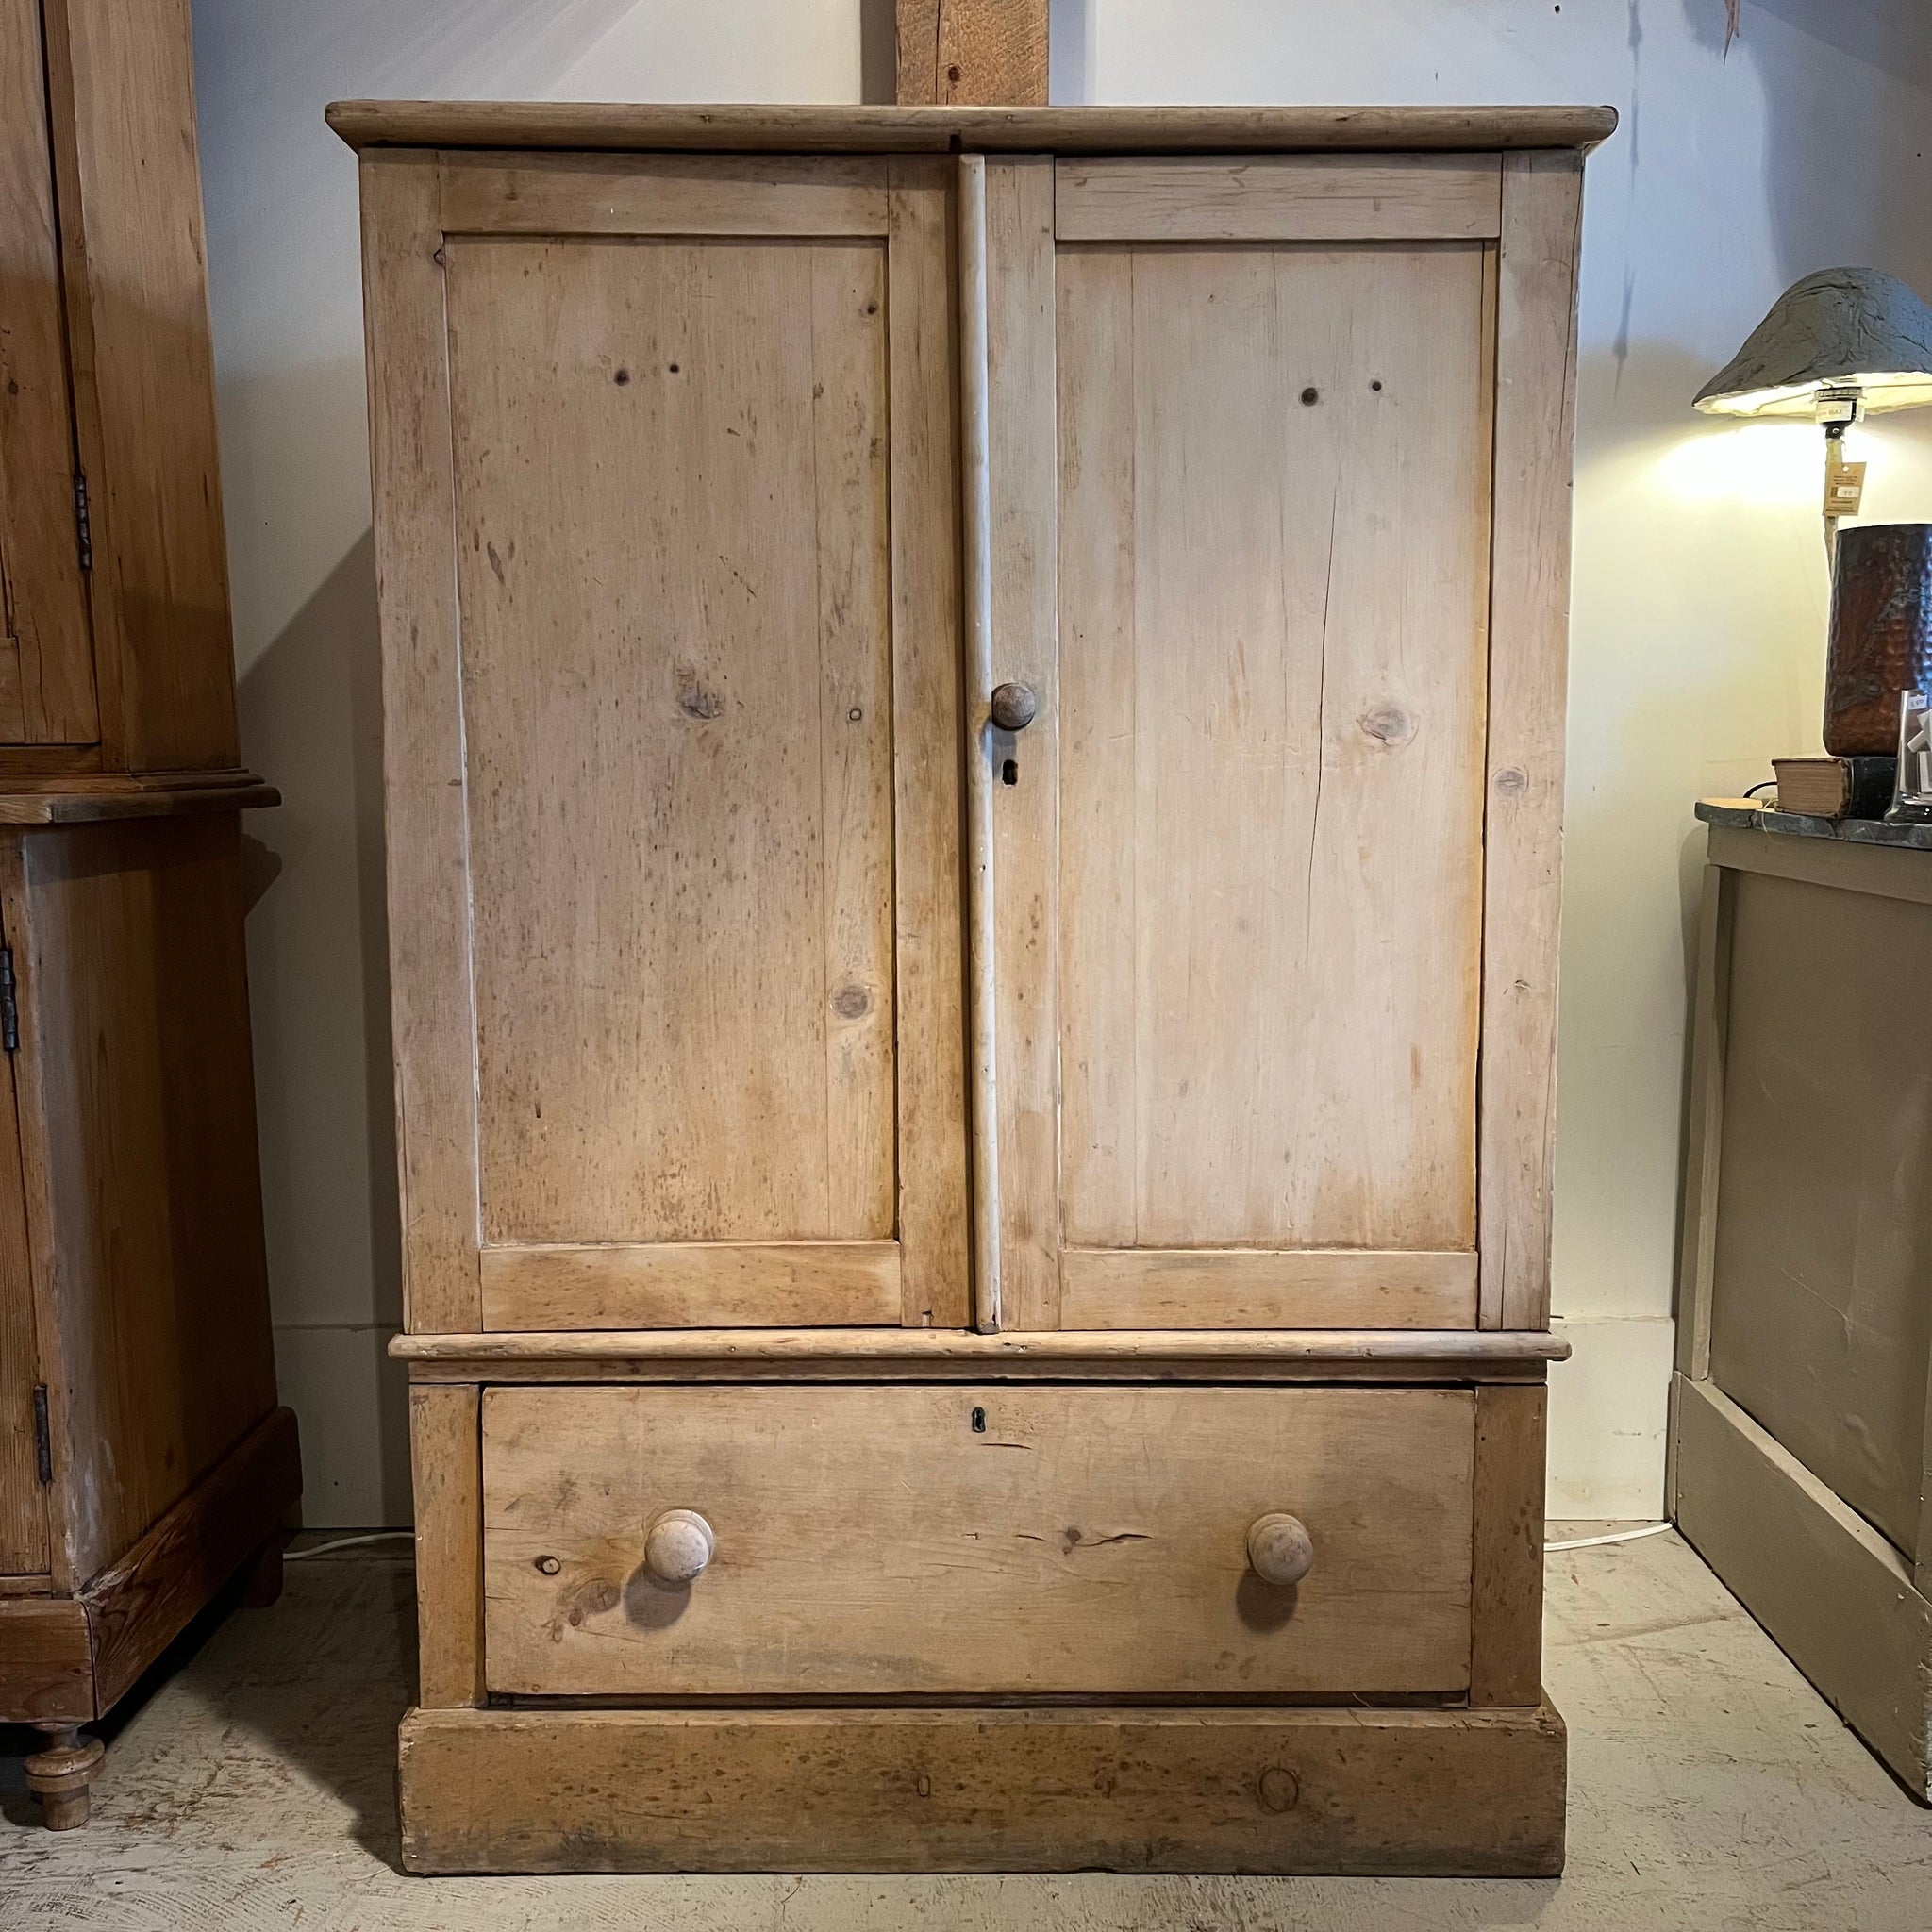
(44, 1438)
(83, 523)
(10, 1003)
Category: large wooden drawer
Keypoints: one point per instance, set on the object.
(976, 1539)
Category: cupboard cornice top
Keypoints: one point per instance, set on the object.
(1066, 130)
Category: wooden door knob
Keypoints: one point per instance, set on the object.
(1014, 705)
(1280, 1549)
(677, 1546)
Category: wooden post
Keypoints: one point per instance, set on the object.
(972, 53)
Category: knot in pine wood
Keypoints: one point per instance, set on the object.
(1388, 722)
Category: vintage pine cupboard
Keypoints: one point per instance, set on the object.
(974, 708)
(144, 1460)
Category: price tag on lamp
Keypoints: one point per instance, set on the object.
(1837, 346)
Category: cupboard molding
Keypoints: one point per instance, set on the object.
(593, 127)
(1235, 1347)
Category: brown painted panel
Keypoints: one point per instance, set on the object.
(1820, 1326)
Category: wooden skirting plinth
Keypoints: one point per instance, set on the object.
(1834, 1594)
(1421, 1792)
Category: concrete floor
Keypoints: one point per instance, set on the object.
(249, 1783)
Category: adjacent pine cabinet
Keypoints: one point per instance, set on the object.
(974, 726)
(144, 1458)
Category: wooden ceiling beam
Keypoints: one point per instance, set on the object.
(971, 52)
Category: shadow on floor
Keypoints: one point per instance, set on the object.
(318, 1682)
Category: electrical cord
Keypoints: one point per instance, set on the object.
(346, 1542)
(1622, 1535)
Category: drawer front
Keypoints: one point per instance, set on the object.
(985, 1541)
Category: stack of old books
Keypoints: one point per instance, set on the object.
(1835, 788)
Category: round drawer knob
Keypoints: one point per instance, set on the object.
(677, 1546)
(1014, 705)
(1280, 1550)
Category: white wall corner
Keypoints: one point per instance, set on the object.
(1608, 1406)
(352, 1412)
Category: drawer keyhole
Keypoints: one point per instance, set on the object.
(979, 1422)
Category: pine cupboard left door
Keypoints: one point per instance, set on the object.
(666, 525)
(46, 646)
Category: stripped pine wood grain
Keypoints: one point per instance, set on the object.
(661, 194)
(445, 1436)
(928, 740)
(1507, 1568)
(985, 1790)
(690, 1284)
(1279, 198)
(1271, 607)
(431, 1001)
(1248, 1287)
(910, 129)
(825, 999)
(701, 1049)
(1025, 649)
(1522, 836)
(1033, 1513)
(1096, 1354)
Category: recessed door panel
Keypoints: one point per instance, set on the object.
(1271, 601)
(670, 519)
(1244, 836)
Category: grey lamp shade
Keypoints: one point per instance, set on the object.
(1843, 329)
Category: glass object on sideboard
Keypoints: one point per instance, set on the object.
(1911, 800)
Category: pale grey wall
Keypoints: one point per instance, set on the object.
(1699, 599)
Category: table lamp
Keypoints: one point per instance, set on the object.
(1836, 346)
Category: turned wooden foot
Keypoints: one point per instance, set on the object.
(261, 1582)
(60, 1775)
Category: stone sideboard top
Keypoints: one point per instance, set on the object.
(1747, 815)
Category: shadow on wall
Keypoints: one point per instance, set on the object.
(329, 1128)
(1822, 214)
(1068, 51)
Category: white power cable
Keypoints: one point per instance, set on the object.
(347, 1542)
(1622, 1535)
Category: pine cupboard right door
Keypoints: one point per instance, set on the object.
(1277, 530)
